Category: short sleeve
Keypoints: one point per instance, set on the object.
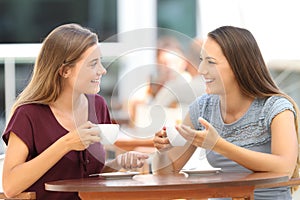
(275, 105)
(20, 124)
(201, 107)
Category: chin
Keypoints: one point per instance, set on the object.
(212, 91)
(207, 90)
(95, 91)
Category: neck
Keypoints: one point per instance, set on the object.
(70, 110)
(68, 101)
(234, 106)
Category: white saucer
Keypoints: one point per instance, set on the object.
(201, 171)
(116, 175)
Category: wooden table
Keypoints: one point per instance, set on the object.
(235, 185)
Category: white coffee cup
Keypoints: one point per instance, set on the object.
(174, 136)
(108, 133)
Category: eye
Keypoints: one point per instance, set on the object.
(200, 59)
(211, 62)
(94, 63)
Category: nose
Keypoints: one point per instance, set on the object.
(101, 70)
(202, 68)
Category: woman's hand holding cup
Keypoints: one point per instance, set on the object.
(161, 141)
(82, 137)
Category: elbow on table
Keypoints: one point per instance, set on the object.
(9, 191)
(291, 168)
(288, 170)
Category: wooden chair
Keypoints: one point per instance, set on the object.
(21, 196)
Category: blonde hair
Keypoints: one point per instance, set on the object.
(62, 48)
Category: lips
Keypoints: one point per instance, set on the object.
(208, 80)
(96, 81)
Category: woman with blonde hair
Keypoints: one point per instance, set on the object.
(52, 133)
(244, 122)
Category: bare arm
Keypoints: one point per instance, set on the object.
(284, 148)
(18, 174)
(171, 159)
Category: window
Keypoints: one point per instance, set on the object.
(31, 20)
(177, 15)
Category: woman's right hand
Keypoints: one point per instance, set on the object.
(161, 141)
(83, 136)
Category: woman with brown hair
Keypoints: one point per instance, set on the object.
(52, 133)
(244, 122)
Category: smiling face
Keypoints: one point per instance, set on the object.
(85, 77)
(215, 69)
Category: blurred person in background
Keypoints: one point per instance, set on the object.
(171, 66)
(184, 89)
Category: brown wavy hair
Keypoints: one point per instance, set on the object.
(63, 47)
(246, 61)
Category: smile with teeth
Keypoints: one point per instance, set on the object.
(208, 80)
(96, 81)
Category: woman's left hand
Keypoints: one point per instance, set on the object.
(206, 138)
(131, 160)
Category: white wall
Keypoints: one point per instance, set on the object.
(274, 23)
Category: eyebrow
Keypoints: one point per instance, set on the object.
(95, 59)
(208, 57)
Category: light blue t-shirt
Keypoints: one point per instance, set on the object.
(251, 131)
